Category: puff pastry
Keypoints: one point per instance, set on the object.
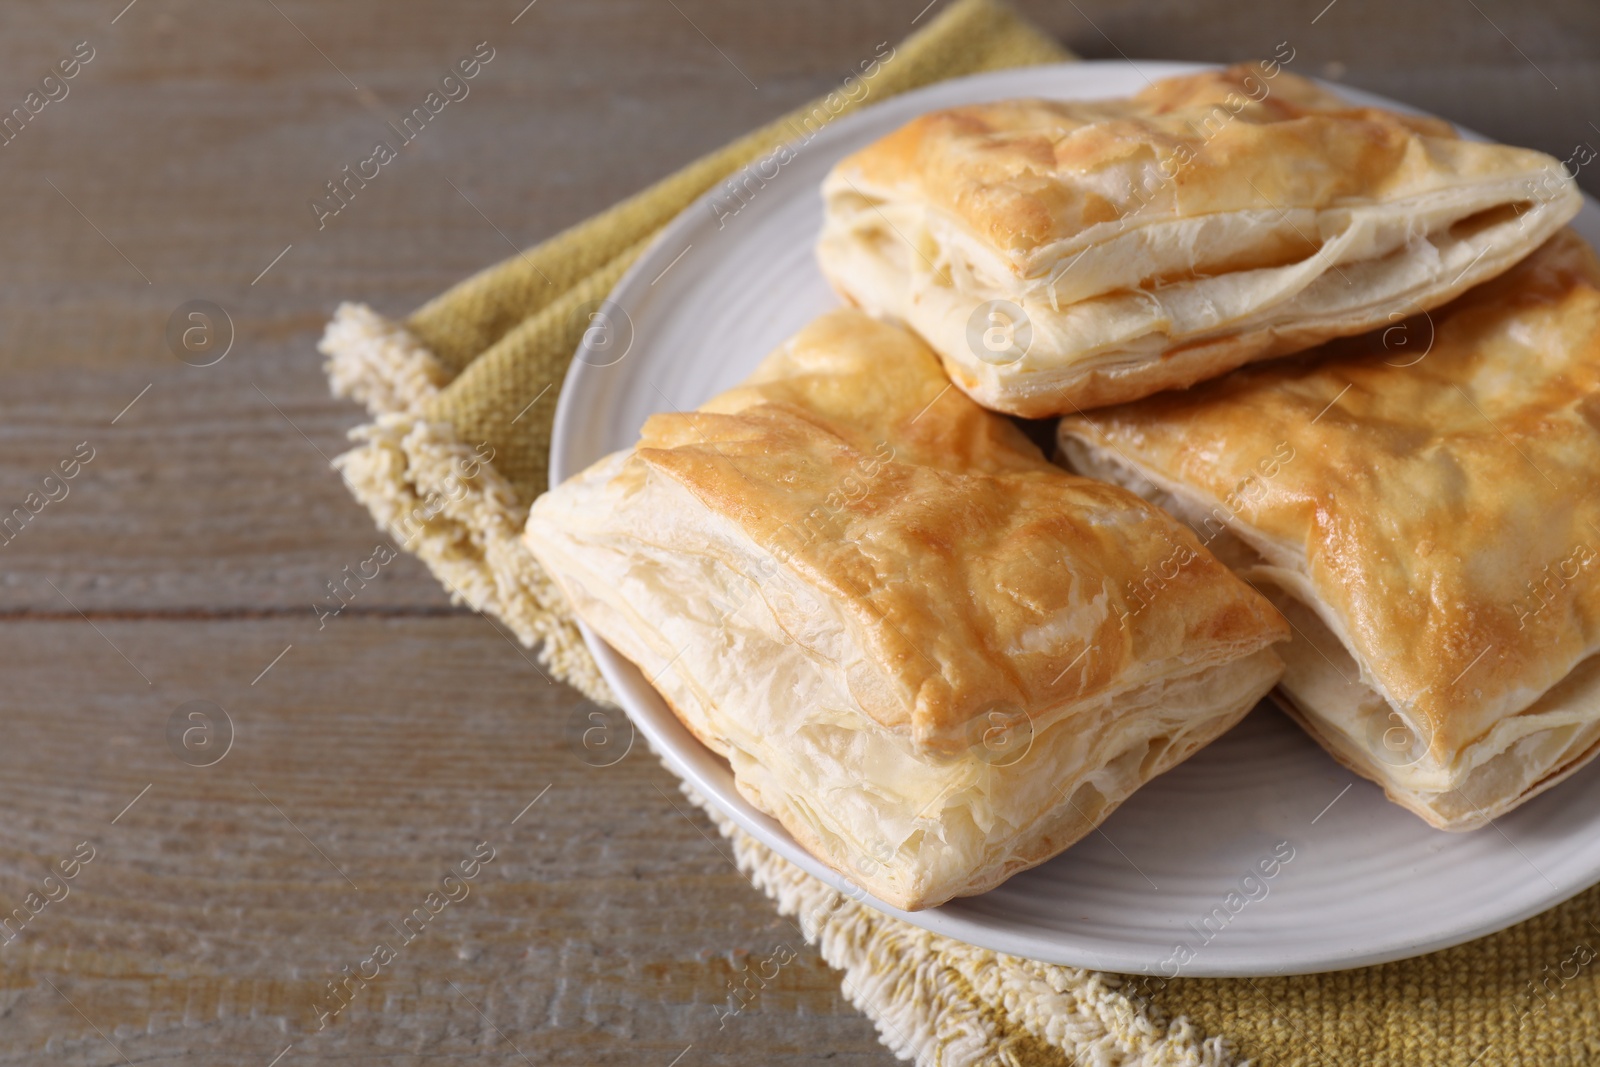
(1061, 255)
(1427, 519)
(935, 657)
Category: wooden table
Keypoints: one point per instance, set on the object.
(373, 750)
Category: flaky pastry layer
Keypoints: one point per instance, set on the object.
(1156, 241)
(1427, 517)
(932, 655)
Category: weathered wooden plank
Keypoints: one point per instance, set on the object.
(196, 166)
(365, 765)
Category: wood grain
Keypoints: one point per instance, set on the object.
(188, 553)
(369, 760)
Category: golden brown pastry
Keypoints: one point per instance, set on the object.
(1062, 255)
(1427, 518)
(934, 656)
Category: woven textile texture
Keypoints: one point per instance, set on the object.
(462, 394)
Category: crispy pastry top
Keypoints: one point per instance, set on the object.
(1442, 491)
(975, 574)
(1023, 175)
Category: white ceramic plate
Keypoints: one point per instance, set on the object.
(1368, 882)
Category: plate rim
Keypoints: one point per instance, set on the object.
(693, 762)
